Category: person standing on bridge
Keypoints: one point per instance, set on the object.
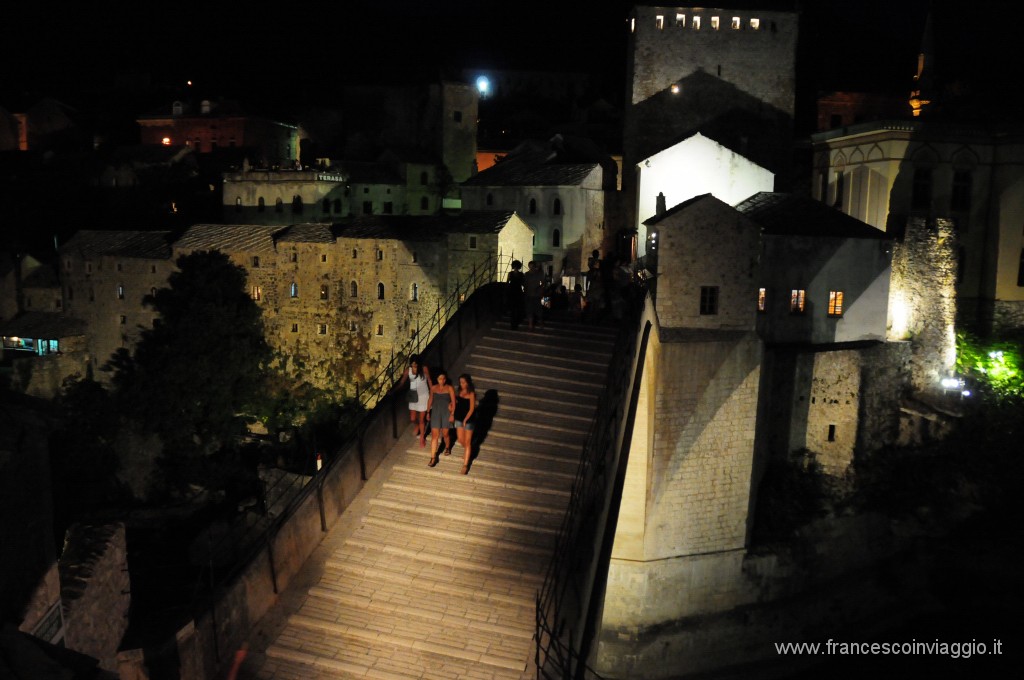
(465, 408)
(418, 377)
(516, 302)
(442, 415)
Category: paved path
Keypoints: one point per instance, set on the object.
(434, 574)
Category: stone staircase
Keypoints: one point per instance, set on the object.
(439, 577)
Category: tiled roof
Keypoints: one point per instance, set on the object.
(532, 169)
(676, 208)
(250, 238)
(423, 227)
(778, 213)
(307, 233)
(43, 325)
(142, 244)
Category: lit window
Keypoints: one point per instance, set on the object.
(632, 25)
(294, 290)
(695, 23)
(324, 293)
(472, 242)
(238, 204)
(708, 300)
(762, 299)
(735, 23)
(120, 291)
(255, 261)
(680, 20)
(166, 141)
(295, 328)
(380, 291)
(354, 289)
(755, 24)
(659, 21)
(835, 303)
(380, 329)
(321, 329)
(797, 301)
(257, 293)
(714, 23)
(414, 292)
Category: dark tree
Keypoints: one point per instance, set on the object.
(200, 367)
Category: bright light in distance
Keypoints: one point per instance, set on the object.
(965, 393)
(675, 88)
(950, 383)
(483, 85)
(166, 141)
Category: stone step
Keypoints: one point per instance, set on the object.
(484, 374)
(485, 477)
(406, 508)
(553, 340)
(524, 509)
(503, 441)
(525, 541)
(508, 385)
(588, 362)
(523, 346)
(560, 463)
(538, 365)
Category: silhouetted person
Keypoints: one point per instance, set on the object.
(516, 301)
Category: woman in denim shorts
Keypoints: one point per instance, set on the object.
(465, 406)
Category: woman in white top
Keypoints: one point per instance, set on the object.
(418, 377)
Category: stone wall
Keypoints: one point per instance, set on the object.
(922, 298)
(834, 409)
(95, 590)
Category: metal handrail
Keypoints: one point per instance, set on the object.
(563, 599)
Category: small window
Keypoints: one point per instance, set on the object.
(380, 255)
(261, 205)
(353, 289)
(380, 291)
(122, 319)
(831, 433)
(457, 116)
(835, 303)
(762, 299)
(797, 301)
(71, 293)
(152, 269)
(324, 291)
(735, 23)
(695, 23)
(708, 300)
(415, 257)
(297, 205)
(556, 238)
(414, 292)
(380, 329)
(321, 329)
(256, 293)
(556, 209)
(352, 327)
(533, 206)
(472, 242)
(120, 267)
(755, 24)
(366, 190)
(120, 291)
(680, 20)
(279, 205)
(295, 257)
(152, 292)
(295, 328)
(489, 200)
(714, 23)
(255, 261)
(294, 290)
(323, 258)
(238, 204)
(424, 203)
(659, 22)
(355, 253)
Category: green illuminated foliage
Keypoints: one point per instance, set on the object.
(994, 366)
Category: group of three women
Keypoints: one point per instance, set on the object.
(448, 409)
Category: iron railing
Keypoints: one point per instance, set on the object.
(564, 598)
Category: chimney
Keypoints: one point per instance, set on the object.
(659, 205)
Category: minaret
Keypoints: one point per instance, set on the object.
(924, 78)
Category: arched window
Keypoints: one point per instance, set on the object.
(490, 199)
(297, 205)
(533, 206)
(380, 291)
(556, 209)
(294, 290)
(424, 203)
(354, 289)
(279, 205)
(556, 239)
(424, 178)
(261, 205)
(238, 204)
(414, 292)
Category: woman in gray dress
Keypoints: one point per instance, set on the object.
(442, 407)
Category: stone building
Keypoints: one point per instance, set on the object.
(887, 172)
(560, 191)
(728, 74)
(105, 277)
